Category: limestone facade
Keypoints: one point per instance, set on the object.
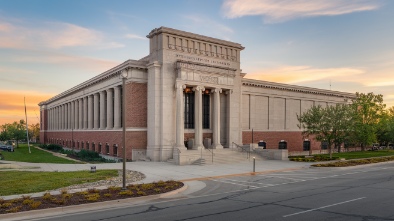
(187, 94)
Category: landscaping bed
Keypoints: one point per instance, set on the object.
(27, 203)
(314, 158)
(355, 162)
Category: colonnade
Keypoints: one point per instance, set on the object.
(98, 111)
(198, 127)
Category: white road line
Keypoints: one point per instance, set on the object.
(267, 184)
(221, 181)
(306, 211)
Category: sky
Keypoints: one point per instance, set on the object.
(47, 46)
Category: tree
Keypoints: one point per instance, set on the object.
(329, 124)
(368, 109)
(385, 129)
(34, 131)
(15, 131)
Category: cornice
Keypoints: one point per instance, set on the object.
(99, 78)
(295, 88)
(190, 35)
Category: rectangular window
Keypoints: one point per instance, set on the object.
(205, 110)
(189, 110)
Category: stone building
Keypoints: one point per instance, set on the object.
(189, 93)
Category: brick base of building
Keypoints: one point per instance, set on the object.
(294, 139)
(104, 142)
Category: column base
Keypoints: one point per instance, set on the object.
(217, 146)
(198, 147)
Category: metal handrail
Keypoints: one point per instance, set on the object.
(243, 149)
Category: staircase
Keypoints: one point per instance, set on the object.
(226, 156)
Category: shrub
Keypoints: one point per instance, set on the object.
(5, 205)
(35, 205)
(92, 197)
(67, 195)
(141, 193)
(14, 209)
(107, 195)
(114, 188)
(126, 192)
(93, 191)
(27, 201)
(157, 190)
(148, 186)
(1, 200)
(46, 196)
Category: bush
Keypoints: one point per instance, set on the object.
(52, 147)
(35, 204)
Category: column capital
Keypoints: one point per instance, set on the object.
(229, 91)
(180, 85)
(199, 88)
(216, 90)
(109, 90)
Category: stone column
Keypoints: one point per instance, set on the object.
(96, 111)
(180, 125)
(216, 119)
(90, 112)
(57, 118)
(65, 117)
(76, 114)
(198, 117)
(102, 110)
(85, 113)
(110, 109)
(72, 116)
(69, 115)
(80, 113)
(117, 107)
(60, 117)
(228, 111)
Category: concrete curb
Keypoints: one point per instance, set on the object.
(33, 214)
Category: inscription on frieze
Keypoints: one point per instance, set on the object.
(209, 79)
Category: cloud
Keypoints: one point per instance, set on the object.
(12, 105)
(50, 35)
(274, 11)
(134, 36)
(197, 23)
(296, 74)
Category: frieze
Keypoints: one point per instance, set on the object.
(204, 68)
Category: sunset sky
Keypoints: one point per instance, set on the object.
(49, 46)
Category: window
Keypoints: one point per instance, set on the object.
(205, 109)
(115, 150)
(82, 145)
(107, 148)
(306, 145)
(87, 146)
(324, 145)
(262, 144)
(93, 147)
(189, 108)
(282, 144)
(99, 148)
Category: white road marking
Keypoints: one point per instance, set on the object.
(241, 181)
(221, 181)
(306, 211)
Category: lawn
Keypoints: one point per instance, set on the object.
(22, 154)
(22, 182)
(363, 154)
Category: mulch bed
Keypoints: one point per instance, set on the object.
(27, 203)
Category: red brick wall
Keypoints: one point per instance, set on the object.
(294, 139)
(134, 140)
(136, 104)
(43, 125)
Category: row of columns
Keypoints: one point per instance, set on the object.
(101, 110)
(198, 131)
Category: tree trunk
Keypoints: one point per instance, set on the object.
(362, 147)
(339, 148)
(330, 151)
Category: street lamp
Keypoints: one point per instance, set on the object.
(124, 77)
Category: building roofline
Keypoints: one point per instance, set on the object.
(163, 29)
(105, 75)
(296, 88)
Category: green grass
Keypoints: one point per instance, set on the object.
(23, 182)
(22, 154)
(363, 154)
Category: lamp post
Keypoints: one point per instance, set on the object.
(124, 77)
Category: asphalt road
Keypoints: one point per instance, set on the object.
(365, 193)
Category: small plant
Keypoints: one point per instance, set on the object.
(148, 186)
(61, 201)
(161, 183)
(1, 200)
(27, 201)
(92, 197)
(168, 187)
(108, 195)
(63, 191)
(114, 188)
(5, 205)
(67, 195)
(84, 193)
(35, 205)
(15, 201)
(26, 197)
(47, 196)
(157, 190)
(14, 209)
(141, 193)
(126, 193)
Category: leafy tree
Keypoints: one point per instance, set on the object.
(15, 131)
(385, 129)
(329, 124)
(34, 131)
(368, 110)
